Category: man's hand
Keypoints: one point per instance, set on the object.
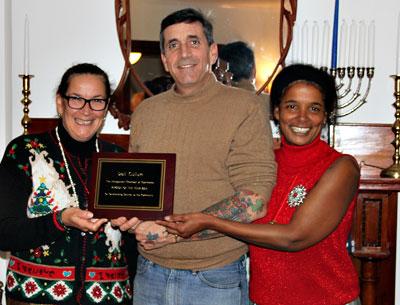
(152, 236)
(126, 225)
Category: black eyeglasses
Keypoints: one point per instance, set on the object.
(78, 102)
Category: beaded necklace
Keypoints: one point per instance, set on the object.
(67, 166)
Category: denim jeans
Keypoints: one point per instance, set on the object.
(156, 285)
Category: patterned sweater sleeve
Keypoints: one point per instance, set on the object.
(251, 162)
(17, 231)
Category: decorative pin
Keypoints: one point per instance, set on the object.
(297, 195)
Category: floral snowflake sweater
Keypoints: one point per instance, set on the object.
(48, 263)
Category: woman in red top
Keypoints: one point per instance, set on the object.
(298, 249)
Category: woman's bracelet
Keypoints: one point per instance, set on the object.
(57, 219)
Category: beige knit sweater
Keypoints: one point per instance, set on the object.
(222, 140)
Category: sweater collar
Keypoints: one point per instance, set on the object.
(74, 147)
(296, 157)
(207, 90)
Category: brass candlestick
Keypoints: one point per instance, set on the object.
(394, 170)
(26, 91)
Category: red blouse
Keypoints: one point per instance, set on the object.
(321, 274)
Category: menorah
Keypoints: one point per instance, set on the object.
(351, 98)
(353, 81)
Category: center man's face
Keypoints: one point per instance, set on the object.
(187, 56)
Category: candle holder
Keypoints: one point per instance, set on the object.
(26, 91)
(347, 102)
(359, 98)
(394, 170)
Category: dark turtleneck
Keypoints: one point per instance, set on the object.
(76, 148)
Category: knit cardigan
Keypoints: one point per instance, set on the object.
(49, 264)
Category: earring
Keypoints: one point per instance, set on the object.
(276, 131)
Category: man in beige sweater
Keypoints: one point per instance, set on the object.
(224, 166)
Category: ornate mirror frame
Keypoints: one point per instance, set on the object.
(120, 108)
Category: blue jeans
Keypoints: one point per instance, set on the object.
(156, 285)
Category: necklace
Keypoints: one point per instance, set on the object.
(67, 165)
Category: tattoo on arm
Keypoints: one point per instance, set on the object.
(243, 206)
(152, 236)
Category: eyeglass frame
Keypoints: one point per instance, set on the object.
(86, 101)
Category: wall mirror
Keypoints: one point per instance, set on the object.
(266, 25)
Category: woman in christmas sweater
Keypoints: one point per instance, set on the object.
(59, 253)
(298, 250)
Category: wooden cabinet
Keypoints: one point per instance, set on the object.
(375, 220)
(374, 243)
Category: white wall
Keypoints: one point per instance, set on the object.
(62, 33)
(385, 12)
(5, 92)
(5, 71)
(67, 32)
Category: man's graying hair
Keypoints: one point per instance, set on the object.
(187, 15)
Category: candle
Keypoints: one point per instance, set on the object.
(304, 44)
(343, 44)
(361, 45)
(352, 43)
(26, 46)
(325, 45)
(371, 45)
(398, 47)
(335, 35)
(314, 44)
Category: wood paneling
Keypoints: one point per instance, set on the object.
(40, 125)
(370, 144)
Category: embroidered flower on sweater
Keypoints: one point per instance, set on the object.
(11, 151)
(25, 168)
(297, 195)
(38, 253)
(34, 144)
